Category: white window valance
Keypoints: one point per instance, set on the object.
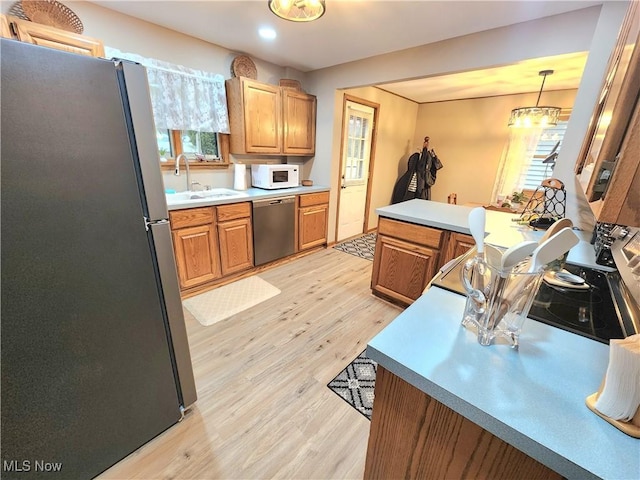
(183, 98)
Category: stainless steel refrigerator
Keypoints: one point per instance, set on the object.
(95, 358)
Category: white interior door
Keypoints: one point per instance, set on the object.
(356, 153)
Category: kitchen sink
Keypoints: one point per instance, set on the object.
(202, 195)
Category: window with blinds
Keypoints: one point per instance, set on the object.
(538, 171)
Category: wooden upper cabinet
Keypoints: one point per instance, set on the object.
(46, 36)
(621, 203)
(255, 116)
(299, 112)
(268, 119)
(5, 30)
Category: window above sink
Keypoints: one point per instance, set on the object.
(204, 150)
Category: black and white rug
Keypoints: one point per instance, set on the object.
(363, 246)
(355, 384)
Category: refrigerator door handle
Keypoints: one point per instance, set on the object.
(150, 223)
(163, 246)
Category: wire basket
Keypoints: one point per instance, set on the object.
(547, 204)
(52, 13)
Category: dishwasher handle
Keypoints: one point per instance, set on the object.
(273, 201)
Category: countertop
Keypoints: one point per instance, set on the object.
(243, 196)
(532, 398)
(501, 230)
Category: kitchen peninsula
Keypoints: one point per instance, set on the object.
(420, 236)
(447, 407)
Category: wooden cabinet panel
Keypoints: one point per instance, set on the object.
(255, 116)
(46, 36)
(236, 245)
(5, 30)
(414, 436)
(310, 199)
(196, 251)
(233, 211)
(191, 217)
(299, 123)
(458, 244)
(402, 270)
(621, 204)
(419, 234)
(262, 118)
(312, 226)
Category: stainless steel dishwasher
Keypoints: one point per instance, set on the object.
(273, 228)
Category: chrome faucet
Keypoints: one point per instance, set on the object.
(186, 166)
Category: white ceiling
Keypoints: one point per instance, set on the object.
(354, 29)
(520, 77)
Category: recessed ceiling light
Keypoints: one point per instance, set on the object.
(267, 33)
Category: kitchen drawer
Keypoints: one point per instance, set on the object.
(309, 199)
(191, 217)
(418, 234)
(233, 211)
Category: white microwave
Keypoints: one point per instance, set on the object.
(272, 176)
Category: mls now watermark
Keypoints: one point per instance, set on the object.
(30, 466)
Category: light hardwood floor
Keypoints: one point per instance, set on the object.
(263, 409)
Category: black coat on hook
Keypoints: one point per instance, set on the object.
(416, 182)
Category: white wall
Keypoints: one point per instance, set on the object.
(469, 137)
(130, 34)
(571, 32)
(566, 33)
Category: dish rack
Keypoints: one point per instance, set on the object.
(547, 204)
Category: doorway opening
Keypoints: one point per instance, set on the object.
(356, 164)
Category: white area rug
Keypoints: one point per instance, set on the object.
(216, 305)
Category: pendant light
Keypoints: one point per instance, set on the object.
(298, 10)
(524, 117)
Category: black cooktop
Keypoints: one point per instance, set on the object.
(589, 312)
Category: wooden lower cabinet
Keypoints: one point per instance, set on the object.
(407, 256)
(458, 244)
(211, 242)
(413, 436)
(313, 213)
(235, 235)
(236, 245)
(196, 251)
(214, 242)
(402, 270)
